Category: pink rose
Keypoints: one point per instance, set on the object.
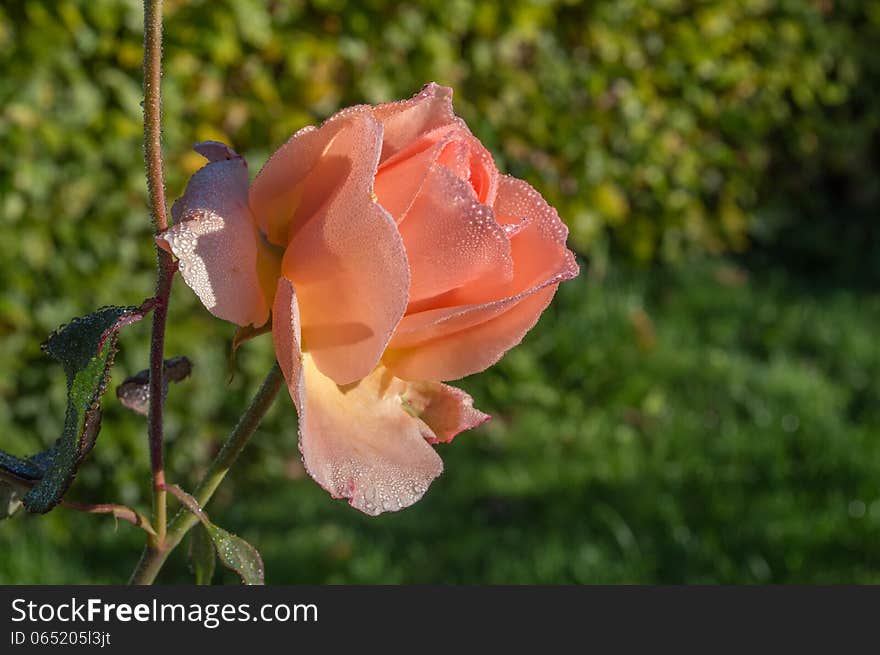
(392, 255)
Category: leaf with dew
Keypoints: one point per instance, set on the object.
(234, 552)
(85, 348)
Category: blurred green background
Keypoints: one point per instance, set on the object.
(699, 406)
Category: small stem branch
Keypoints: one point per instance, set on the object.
(154, 555)
(118, 511)
(156, 188)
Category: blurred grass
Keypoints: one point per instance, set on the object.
(700, 421)
(698, 426)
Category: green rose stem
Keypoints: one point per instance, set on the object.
(166, 266)
(155, 554)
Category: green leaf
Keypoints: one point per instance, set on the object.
(201, 555)
(234, 552)
(237, 554)
(85, 348)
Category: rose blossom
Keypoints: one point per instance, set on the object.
(391, 255)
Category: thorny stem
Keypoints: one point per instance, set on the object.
(153, 111)
(154, 555)
(156, 188)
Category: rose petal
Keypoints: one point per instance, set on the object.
(406, 121)
(367, 442)
(418, 131)
(470, 330)
(215, 240)
(277, 196)
(358, 442)
(401, 177)
(277, 190)
(473, 349)
(287, 337)
(482, 173)
(347, 260)
(446, 410)
(399, 181)
(451, 239)
(540, 233)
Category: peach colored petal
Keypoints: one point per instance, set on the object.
(414, 125)
(468, 330)
(537, 237)
(406, 121)
(482, 173)
(367, 442)
(215, 240)
(347, 260)
(540, 233)
(277, 193)
(400, 178)
(446, 410)
(277, 190)
(451, 239)
(287, 337)
(472, 350)
(359, 443)
(398, 182)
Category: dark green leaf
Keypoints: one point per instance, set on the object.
(27, 470)
(201, 555)
(85, 348)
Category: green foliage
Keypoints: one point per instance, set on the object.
(654, 121)
(821, 213)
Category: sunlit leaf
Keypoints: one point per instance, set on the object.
(234, 552)
(238, 555)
